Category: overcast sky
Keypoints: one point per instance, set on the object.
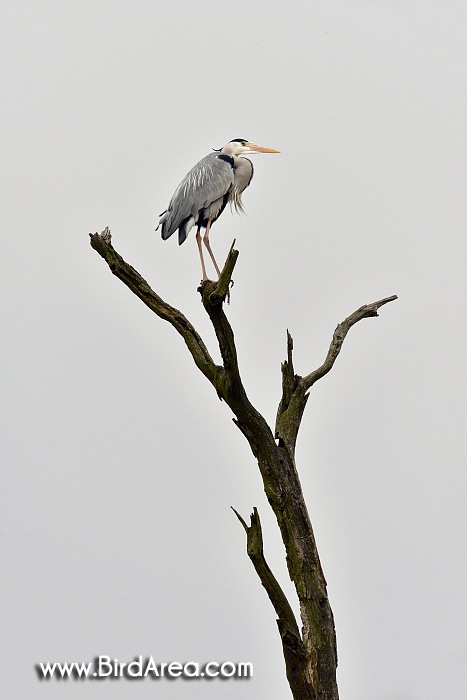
(119, 463)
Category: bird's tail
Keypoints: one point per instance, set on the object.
(161, 220)
(184, 229)
(165, 230)
(168, 228)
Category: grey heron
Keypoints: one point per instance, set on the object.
(202, 195)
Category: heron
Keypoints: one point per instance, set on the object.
(202, 195)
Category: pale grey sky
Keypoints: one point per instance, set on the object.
(119, 463)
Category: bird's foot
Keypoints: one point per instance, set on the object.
(205, 280)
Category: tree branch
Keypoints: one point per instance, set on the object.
(295, 653)
(312, 660)
(294, 387)
(101, 242)
(220, 290)
(276, 595)
(366, 311)
(289, 379)
(288, 422)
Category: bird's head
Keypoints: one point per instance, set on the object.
(241, 147)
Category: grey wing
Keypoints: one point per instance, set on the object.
(201, 190)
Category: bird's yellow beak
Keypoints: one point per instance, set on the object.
(260, 149)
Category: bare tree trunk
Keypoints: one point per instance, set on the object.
(310, 654)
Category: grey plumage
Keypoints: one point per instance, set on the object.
(202, 195)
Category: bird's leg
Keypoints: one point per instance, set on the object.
(206, 243)
(198, 241)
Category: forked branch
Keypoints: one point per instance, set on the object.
(255, 551)
(310, 656)
(101, 242)
(295, 388)
(295, 653)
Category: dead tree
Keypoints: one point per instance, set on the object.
(310, 653)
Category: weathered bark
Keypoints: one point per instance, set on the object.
(310, 656)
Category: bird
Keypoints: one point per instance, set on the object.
(202, 195)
